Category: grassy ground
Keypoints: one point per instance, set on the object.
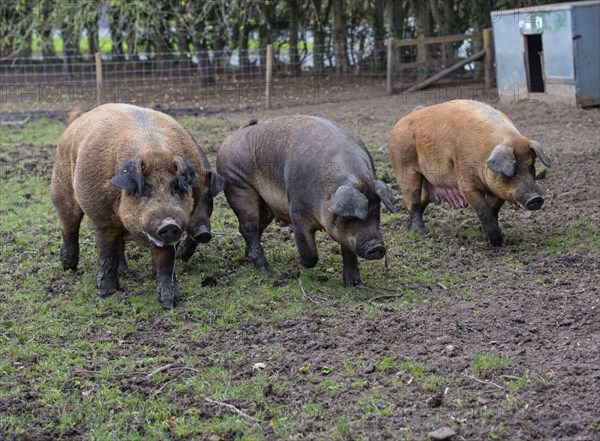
(122, 368)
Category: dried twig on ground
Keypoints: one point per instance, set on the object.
(306, 295)
(161, 369)
(384, 294)
(232, 408)
(484, 381)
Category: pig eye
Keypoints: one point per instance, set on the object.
(177, 189)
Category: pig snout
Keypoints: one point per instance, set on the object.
(201, 234)
(169, 231)
(164, 232)
(371, 250)
(534, 202)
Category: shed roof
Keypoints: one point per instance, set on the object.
(551, 7)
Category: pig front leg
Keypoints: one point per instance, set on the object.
(163, 264)
(123, 268)
(307, 247)
(304, 235)
(351, 274)
(488, 215)
(108, 263)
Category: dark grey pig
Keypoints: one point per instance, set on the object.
(312, 174)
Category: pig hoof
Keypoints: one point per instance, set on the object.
(352, 281)
(105, 292)
(497, 240)
(421, 230)
(309, 262)
(265, 268)
(124, 269)
(170, 304)
(68, 257)
(186, 250)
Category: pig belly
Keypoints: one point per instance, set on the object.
(276, 199)
(452, 195)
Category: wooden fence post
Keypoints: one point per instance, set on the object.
(269, 78)
(390, 67)
(98, 78)
(488, 45)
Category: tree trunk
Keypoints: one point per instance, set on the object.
(243, 41)
(422, 15)
(131, 39)
(69, 43)
(340, 45)
(379, 50)
(93, 42)
(318, 47)
(116, 28)
(397, 18)
(205, 72)
(183, 40)
(320, 21)
(294, 10)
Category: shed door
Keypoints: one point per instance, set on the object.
(534, 63)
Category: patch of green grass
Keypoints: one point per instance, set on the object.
(387, 364)
(488, 362)
(71, 363)
(413, 368)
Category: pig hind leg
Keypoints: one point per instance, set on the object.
(70, 215)
(414, 194)
(253, 217)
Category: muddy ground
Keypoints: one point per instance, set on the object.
(544, 316)
(542, 313)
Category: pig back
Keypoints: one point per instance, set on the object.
(292, 150)
(454, 138)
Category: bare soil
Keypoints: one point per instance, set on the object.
(544, 316)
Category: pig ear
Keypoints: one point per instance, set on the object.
(349, 202)
(217, 182)
(186, 174)
(385, 194)
(539, 151)
(502, 160)
(129, 176)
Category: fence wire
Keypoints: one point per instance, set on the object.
(202, 79)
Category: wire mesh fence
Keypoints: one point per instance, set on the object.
(203, 79)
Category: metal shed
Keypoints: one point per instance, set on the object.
(549, 52)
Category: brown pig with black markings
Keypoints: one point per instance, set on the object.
(310, 173)
(137, 174)
(465, 153)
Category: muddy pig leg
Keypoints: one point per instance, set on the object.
(351, 275)
(305, 239)
(123, 268)
(410, 185)
(163, 265)
(70, 215)
(247, 204)
(107, 243)
(495, 202)
(487, 215)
